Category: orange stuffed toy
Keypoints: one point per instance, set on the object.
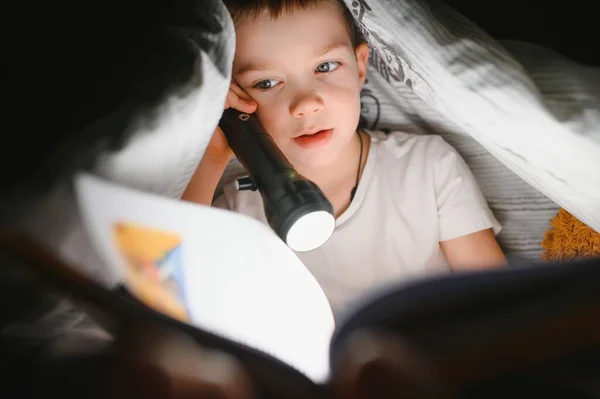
(569, 239)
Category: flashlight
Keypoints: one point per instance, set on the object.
(295, 207)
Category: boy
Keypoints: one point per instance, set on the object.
(404, 204)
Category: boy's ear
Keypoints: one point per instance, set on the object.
(362, 60)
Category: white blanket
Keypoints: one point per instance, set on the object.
(534, 111)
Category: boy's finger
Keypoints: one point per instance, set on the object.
(231, 100)
(247, 106)
(238, 90)
(241, 104)
(241, 94)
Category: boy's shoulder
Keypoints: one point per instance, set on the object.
(417, 147)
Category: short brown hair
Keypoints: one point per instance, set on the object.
(244, 9)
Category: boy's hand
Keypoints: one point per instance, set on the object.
(237, 99)
(201, 187)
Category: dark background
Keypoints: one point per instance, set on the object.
(570, 27)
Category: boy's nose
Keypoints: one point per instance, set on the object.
(306, 104)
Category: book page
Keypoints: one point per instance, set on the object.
(220, 271)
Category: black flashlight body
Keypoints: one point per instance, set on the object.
(287, 196)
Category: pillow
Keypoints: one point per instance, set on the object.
(167, 142)
(484, 92)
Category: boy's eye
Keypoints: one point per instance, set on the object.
(266, 84)
(328, 66)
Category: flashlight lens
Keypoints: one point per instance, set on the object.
(310, 231)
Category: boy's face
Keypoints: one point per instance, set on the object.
(306, 77)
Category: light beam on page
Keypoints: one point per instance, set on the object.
(236, 277)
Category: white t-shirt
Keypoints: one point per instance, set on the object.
(415, 191)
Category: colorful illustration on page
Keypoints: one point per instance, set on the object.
(155, 270)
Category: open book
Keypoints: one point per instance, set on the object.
(217, 270)
(231, 283)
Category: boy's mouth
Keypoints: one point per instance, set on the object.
(314, 139)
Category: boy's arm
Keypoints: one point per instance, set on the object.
(204, 182)
(467, 225)
(205, 179)
(478, 250)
